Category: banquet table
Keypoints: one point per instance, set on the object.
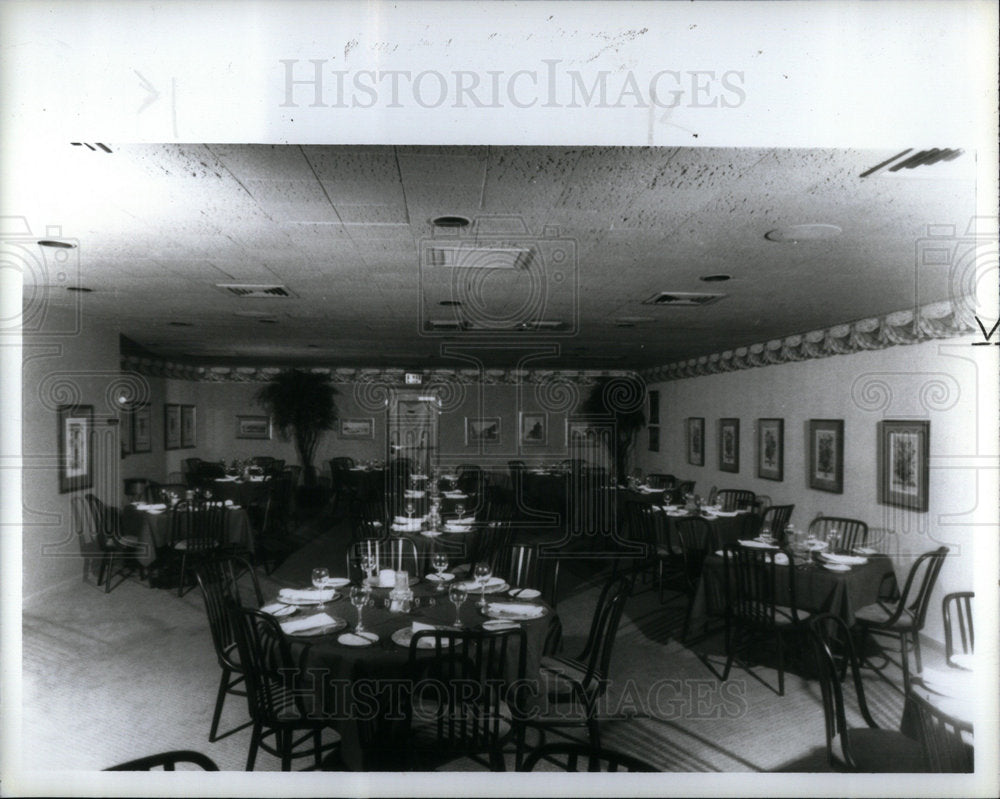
(152, 530)
(355, 684)
(239, 492)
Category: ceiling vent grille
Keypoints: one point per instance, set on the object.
(255, 290)
(445, 325)
(682, 298)
(476, 257)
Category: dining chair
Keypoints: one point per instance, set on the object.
(569, 755)
(196, 531)
(528, 566)
(942, 736)
(851, 533)
(168, 761)
(858, 749)
(956, 611)
(776, 519)
(164, 493)
(400, 554)
(499, 505)
(684, 488)
(462, 697)
(369, 520)
(659, 480)
(100, 530)
(219, 580)
(190, 467)
(735, 499)
(356, 553)
(696, 539)
(905, 617)
(581, 680)
(758, 602)
(492, 539)
(471, 479)
(136, 489)
(648, 531)
(279, 706)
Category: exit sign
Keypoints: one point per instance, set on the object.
(414, 379)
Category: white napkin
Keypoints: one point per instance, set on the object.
(386, 578)
(757, 544)
(413, 494)
(518, 610)
(315, 621)
(439, 578)
(727, 512)
(278, 608)
(847, 560)
(493, 582)
(781, 558)
(156, 506)
(456, 495)
(307, 594)
(417, 626)
(865, 551)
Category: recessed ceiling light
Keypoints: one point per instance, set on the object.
(180, 324)
(451, 221)
(449, 303)
(268, 321)
(82, 289)
(715, 278)
(796, 233)
(59, 245)
(312, 346)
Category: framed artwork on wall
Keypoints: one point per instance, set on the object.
(258, 427)
(534, 428)
(654, 439)
(771, 449)
(826, 455)
(357, 428)
(76, 455)
(904, 463)
(171, 426)
(125, 431)
(695, 437)
(729, 445)
(482, 431)
(189, 426)
(142, 429)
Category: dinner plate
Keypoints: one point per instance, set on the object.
(846, 560)
(498, 611)
(309, 632)
(525, 593)
(864, 551)
(836, 567)
(336, 582)
(404, 635)
(444, 577)
(358, 639)
(496, 585)
(430, 533)
(493, 625)
(279, 609)
(155, 512)
(305, 602)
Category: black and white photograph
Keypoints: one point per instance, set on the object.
(450, 313)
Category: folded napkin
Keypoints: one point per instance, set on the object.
(156, 506)
(455, 494)
(409, 520)
(753, 544)
(781, 558)
(413, 493)
(417, 626)
(864, 551)
(278, 609)
(493, 625)
(449, 476)
(846, 560)
(316, 621)
(727, 512)
(492, 583)
(440, 578)
(386, 578)
(418, 476)
(307, 594)
(516, 610)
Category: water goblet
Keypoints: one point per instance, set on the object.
(319, 577)
(359, 598)
(457, 596)
(460, 509)
(482, 573)
(440, 562)
(410, 508)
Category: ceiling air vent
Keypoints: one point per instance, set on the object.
(495, 256)
(445, 325)
(686, 298)
(254, 290)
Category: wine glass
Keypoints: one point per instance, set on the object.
(482, 573)
(368, 564)
(440, 562)
(319, 577)
(359, 598)
(460, 509)
(457, 596)
(410, 508)
(765, 534)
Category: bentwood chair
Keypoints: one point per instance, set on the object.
(575, 684)
(695, 538)
(368, 520)
(757, 604)
(956, 610)
(284, 714)
(776, 519)
(850, 533)
(943, 738)
(735, 499)
(657, 480)
(218, 578)
(570, 755)
(196, 532)
(490, 542)
(858, 749)
(168, 761)
(462, 695)
(98, 532)
(904, 618)
(526, 566)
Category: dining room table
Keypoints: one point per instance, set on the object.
(150, 526)
(240, 491)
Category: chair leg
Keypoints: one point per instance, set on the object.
(730, 650)
(906, 663)
(220, 698)
(110, 573)
(781, 665)
(254, 743)
(180, 580)
(318, 746)
(916, 650)
(285, 747)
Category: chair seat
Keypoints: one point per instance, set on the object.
(878, 750)
(879, 613)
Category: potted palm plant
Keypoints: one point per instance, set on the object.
(302, 407)
(622, 400)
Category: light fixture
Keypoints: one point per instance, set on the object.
(58, 245)
(451, 221)
(82, 289)
(180, 324)
(720, 278)
(809, 232)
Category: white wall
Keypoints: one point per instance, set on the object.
(948, 382)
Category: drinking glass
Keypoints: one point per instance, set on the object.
(460, 509)
(410, 508)
(765, 534)
(359, 598)
(457, 596)
(319, 577)
(482, 573)
(440, 562)
(368, 564)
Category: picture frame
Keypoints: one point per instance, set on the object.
(654, 438)
(76, 452)
(142, 429)
(189, 426)
(125, 431)
(171, 426)
(583, 433)
(729, 445)
(694, 433)
(904, 463)
(253, 426)
(484, 430)
(357, 428)
(826, 455)
(533, 429)
(771, 449)
(654, 407)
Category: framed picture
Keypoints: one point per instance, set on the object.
(125, 431)
(189, 426)
(654, 439)
(729, 445)
(826, 455)
(171, 426)
(903, 463)
(357, 428)
(482, 431)
(584, 433)
(771, 449)
(654, 407)
(695, 436)
(142, 432)
(76, 456)
(253, 427)
(534, 428)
